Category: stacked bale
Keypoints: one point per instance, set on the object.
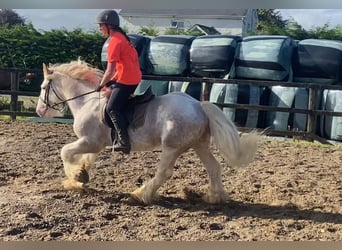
(168, 55)
(142, 44)
(331, 126)
(268, 58)
(213, 55)
(257, 58)
(193, 89)
(320, 61)
(265, 58)
(243, 94)
(159, 87)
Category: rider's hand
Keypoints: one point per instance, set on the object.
(98, 89)
(106, 92)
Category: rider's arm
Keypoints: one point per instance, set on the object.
(109, 74)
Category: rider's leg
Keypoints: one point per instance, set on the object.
(120, 124)
(116, 104)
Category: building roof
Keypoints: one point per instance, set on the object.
(206, 30)
(185, 13)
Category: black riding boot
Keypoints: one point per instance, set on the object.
(122, 144)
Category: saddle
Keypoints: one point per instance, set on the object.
(134, 112)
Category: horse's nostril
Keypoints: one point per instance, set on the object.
(41, 111)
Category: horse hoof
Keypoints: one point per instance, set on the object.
(135, 201)
(139, 196)
(83, 176)
(216, 199)
(73, 185)
(135, 197)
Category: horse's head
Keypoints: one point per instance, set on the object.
(48, 104)
(63, 83)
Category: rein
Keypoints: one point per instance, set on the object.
(46, 97)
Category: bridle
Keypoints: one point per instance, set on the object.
(50, 87)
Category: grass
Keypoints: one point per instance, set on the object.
(303, 144)
(18, 118)
(29, 104)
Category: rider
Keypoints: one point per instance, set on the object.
(121, 77)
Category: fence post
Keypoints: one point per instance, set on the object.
(206, 87)
(311, 125)
(14, 96)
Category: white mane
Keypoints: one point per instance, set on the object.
(79, 70)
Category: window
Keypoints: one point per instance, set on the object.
(177, 24)
(173, 24)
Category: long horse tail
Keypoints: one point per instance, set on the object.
(236, 150)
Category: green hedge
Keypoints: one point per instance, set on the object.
(24, 47)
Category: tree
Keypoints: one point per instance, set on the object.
(271, 23)
(296, 31)
(325, 32)
(10, 18)
(269, 18)
(148, 31)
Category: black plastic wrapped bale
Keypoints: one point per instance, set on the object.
(193, 89)
(301, 101)
(213, 55)
(142, 44)
(318, 61)
(264, 58)
(238, 94)
(331, 126)
(158, 87)
(170, 55)
(287, 97)
(290, 97)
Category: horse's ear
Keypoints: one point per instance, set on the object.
(45, 70)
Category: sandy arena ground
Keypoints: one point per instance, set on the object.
(292, 191)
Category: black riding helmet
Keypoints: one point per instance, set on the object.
(109, 17)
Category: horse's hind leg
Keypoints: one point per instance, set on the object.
(147, 192)
(216, 193)
(77, 161)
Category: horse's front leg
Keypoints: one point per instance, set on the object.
(78, 157)
(148, 192)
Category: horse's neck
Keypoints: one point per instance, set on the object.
(77, 95)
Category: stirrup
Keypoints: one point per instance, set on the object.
(118, 147)
(114, 149)
(121, 148)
